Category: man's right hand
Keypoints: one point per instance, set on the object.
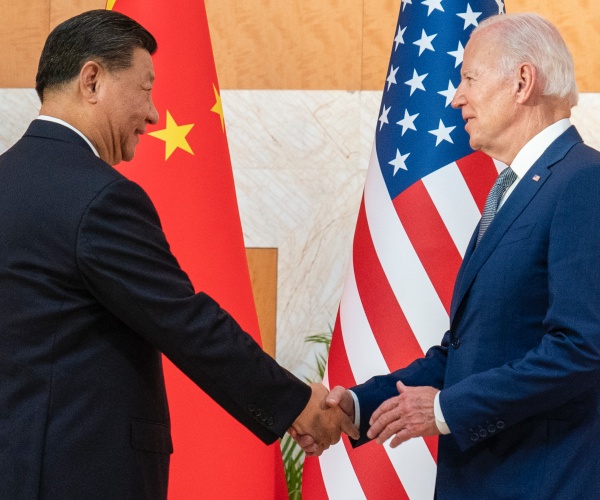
(335, 415)
(323, 420)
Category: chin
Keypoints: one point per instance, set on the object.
(128, 155)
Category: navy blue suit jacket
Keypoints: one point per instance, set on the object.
(519, 368)
(90, 295)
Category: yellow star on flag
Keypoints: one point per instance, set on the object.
(218, 108)
(110, 4)
(174, 136)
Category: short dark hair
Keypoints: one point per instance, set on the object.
(105, 36)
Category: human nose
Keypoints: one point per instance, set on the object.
(152, 117)
(458, 101)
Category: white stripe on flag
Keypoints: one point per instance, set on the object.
(455, 203)
(338, 474)
(364, 355)
(415, 466)
(420, 302)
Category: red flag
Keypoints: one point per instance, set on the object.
(423, 197)
(184, 166)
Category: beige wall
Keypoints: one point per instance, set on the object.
(292, 44)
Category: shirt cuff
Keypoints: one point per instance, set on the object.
(440, 421)
(356, 409)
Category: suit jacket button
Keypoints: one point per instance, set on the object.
(491, 428)
(251, 408)
(500, 425)
(456, 343)
(270, 421)
(483, 433)
(264, 417)
(474, 437)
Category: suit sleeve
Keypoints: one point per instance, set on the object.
(126, 264)
(426, 371)
(566, 362)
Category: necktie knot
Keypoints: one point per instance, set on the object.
(503, 182)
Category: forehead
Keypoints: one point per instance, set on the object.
(141, 65)
(481, 50)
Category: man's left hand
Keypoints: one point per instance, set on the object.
(408, 415)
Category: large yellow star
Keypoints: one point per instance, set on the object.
(174, 136)
(110, 4)
(218, 108)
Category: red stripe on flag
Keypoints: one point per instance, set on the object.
(312, 480)
(430, 239)
(338, 368)
(391, 330)
(479, 172)
(371, 464)
(374, 471)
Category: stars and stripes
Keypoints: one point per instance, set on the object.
(423, 197)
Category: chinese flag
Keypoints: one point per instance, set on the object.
(184, 166)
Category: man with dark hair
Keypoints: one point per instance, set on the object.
(90, 294)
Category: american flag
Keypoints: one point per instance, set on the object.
(424, 194)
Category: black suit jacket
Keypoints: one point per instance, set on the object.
(90, 295)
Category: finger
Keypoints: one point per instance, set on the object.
(335, 396)
(292, 432)
(385, 420)
(384, 407)
(400, 386)
(400, 437)
(305, 441)
(390, 430)
(314, 450)
(349, 428)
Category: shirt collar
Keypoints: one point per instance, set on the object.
(69, 126)
(533, 150)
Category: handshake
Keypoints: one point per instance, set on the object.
(323, 420)
(328, 414)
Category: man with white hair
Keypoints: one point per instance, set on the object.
(514, 387)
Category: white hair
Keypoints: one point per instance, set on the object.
(529, 38)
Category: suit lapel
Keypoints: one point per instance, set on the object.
(527, 188)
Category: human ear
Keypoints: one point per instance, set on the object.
(527, 79)
(89, 77)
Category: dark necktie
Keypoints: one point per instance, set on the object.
(503, 182)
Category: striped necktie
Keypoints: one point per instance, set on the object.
(503, 182)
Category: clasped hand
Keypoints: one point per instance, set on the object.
(320, 424)
(408, 415)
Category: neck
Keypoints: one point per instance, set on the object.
(531, 124)
(60, 106)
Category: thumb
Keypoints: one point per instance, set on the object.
(335, 396)
(400, 386)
